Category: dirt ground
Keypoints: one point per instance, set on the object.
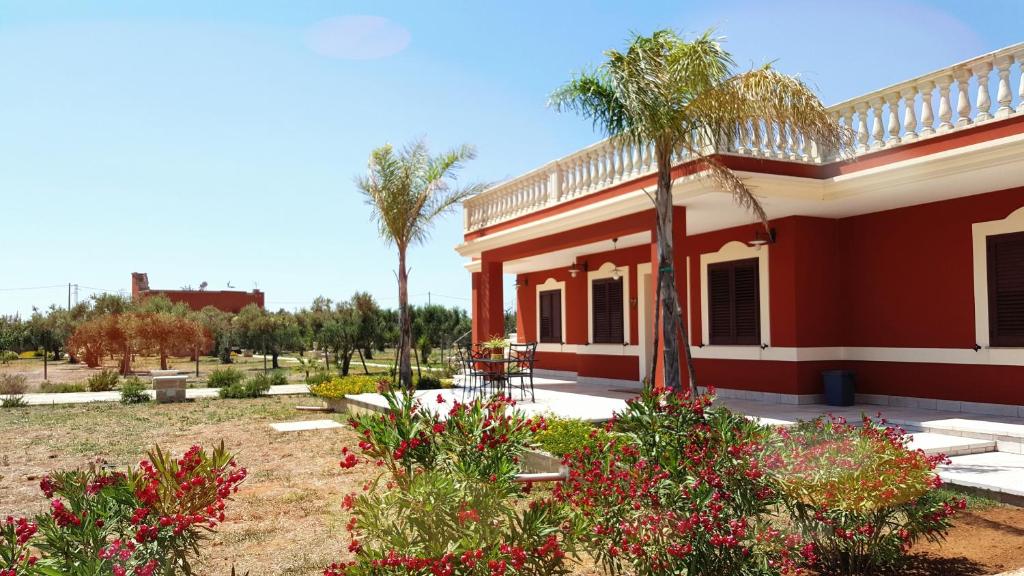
(287, 520)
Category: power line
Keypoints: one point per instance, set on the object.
(32, 288)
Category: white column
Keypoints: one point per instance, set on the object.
(862, 126)
(984, 101)
(877, 131)
(945, 111)
(963, 99)
(893, 101)
(909, 117)
(1003, 95)
(925, 88)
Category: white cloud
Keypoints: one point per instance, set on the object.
(357, 37)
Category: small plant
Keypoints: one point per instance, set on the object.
(133, 391)
(430, 383)
(254, 387)
(861, 495)
(278, 378)
(318, 377)
(223, 377)
(495, 345)
(13, 401)
(12, 385)
(564, 436)
(104, 381)
(61, 387)
(8, 356)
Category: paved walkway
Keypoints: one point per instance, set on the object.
(42, 399)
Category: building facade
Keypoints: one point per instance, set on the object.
(901, 258)
(224, 300)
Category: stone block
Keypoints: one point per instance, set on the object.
(169, 388)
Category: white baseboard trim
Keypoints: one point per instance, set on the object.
(981, 408)
(967, 356)
(766, 397)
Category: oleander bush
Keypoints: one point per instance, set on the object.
(144, 521)
(861, 494)
(62, 387)
(103, 381)
(133, 391)
(682, 490)
(222, 377)
(449, 502)
(564, 436)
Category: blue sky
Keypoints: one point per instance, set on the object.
(218, 141)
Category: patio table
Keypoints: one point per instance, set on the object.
(497, 370)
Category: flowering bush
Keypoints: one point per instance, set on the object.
(341, 386)
(861, 494)
(448, 503)
(146, 521)
(562, 436)
(684, 490)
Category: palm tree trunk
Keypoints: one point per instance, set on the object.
(672, 325)
(405, 325)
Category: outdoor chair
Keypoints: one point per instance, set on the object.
(520, 367)
(473, 378)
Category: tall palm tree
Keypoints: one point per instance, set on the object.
(407, 190)
(681, 94)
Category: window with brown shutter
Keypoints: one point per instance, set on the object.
(1006, 289)
(551, 316)
(734, 302)
(607, 318)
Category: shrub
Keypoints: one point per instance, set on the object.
(318, 377)
(102, 381)
(254, 387)
(430, 383)
(13, 401)
(61, 387)
(278, 378)
(341, 386)
(683, 490)
(861, 494)
(133, 391)
(449, 504)
(221, 377)
(564, 436)
(8, 356)
(12, 385)
(28, 354)
(146, 520)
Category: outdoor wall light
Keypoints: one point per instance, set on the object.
(520, 283)
(616, 273)
(762, 237)
(574, 269)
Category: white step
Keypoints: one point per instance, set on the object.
(933, 443)
(999, 472)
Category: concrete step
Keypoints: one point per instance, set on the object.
(999, 473)
(1009, 437)
(933, 443)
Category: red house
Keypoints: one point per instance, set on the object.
(226, 300)
(901, 259)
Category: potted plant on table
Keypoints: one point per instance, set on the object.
(495, 346)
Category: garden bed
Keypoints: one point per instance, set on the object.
(287, 519)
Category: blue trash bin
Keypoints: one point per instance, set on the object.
(839, 387)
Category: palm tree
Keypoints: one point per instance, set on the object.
(679, 95)
(407, 191)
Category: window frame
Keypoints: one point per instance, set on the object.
(555, 296)
(733, 338)
(997, 339)
(599, 338)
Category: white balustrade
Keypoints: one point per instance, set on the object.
(911, 111)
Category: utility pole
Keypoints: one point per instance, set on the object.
(428, 298)
(69, 295)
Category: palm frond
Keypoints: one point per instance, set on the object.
(728, 181)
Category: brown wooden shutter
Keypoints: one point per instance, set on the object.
(607, 315)
(551, 316)
(734, 303)
(1006, 289)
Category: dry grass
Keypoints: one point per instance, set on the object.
(286, 520)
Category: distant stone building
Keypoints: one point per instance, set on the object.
(226, 300)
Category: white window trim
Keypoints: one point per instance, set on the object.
(605, 271)
(731, 251)
(981, 231)
(549, 284)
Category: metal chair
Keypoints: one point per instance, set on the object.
(473, 378)
(520, 367)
